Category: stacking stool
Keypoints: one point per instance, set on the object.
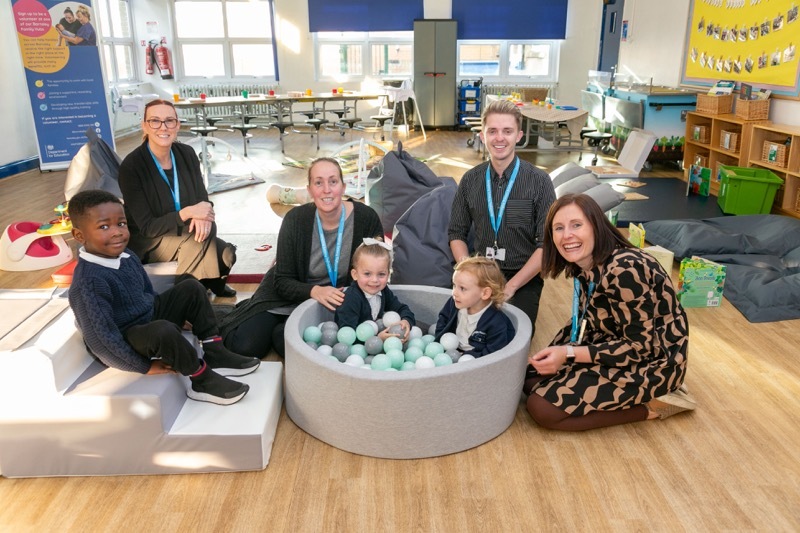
(381, 120)
(346, 123)
(282, 127)
(597, 139)
(244, 129)
(317, 123)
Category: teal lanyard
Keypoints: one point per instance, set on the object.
(175, 188)
(333, 270)
(496, 220)
(576, 296)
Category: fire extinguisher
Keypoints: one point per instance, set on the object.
(148, 58)
(162, 60)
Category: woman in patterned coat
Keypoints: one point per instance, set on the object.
(622, 356)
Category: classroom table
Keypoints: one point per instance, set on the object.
(540, 119)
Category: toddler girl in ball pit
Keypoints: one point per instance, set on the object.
(473, 312)
(368, 297)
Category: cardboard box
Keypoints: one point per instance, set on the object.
(700, 282)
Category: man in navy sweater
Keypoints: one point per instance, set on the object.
(127, 326)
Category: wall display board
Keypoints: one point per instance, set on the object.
(751, 41)
(58, 43)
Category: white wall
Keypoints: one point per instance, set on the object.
(655, 48)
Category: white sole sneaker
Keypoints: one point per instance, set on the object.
(233, 372)
(210, 398)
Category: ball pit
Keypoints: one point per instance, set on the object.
(475, 400)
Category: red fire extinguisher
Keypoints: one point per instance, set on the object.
(162, 60)
(148, 58)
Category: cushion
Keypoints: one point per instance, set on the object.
(606, 196)
(761, 253)
(577, 185)
(566, 172)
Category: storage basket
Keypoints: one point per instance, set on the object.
(730, 140)
(752, 109)
(700, 134)
(713, 104)
(700, 160)
(774, 153)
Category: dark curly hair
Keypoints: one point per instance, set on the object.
(80, 204)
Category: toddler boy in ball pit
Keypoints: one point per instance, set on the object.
(473, 312)
(368, 297)
(127, 326)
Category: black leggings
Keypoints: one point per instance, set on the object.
(257, 335)
(549, 416)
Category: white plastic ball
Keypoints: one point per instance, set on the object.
(425, 362)
(466, 357)
(354, 360)
(390, 318)
(415, 333)
(325, 350)
(449, 341)
(432, 329)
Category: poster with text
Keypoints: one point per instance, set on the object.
(744, 40)
(59, 48)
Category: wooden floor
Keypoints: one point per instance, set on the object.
(734, 464)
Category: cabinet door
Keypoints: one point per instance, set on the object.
(446, 69)
(425, 62)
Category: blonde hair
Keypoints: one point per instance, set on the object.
(373, 250)
(85, 11)
(330, 160)
(487, 274)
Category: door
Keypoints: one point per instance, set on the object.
(610, 36)
(445, 80)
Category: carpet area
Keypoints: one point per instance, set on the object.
(255, 254)
(667, 200)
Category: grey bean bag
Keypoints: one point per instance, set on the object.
(95, 166)
(761, 252)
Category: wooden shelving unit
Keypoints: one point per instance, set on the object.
(713, 150)
(787, 199)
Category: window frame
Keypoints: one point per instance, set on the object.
(103, 16)
(366, 40)
(504, 75)
(227, 43)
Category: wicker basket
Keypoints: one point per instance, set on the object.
(700, 134)
(752, 109)
(712, 104)
(730, 140)
(700, 160)
(774, 153)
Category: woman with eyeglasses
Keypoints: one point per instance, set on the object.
(167, 207)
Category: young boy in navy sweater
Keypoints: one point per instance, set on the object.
(127, 326)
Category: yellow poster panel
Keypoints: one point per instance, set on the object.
(750, 41)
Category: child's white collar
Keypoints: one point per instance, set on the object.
(107, 262)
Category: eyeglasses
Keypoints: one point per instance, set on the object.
(170, 123)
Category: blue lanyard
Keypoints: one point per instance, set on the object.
(175, 188)
(495, 221)
(333, 270)
(576, 296)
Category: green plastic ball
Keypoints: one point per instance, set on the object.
(408, 365)
(365, 331)
(434, 349)
(427, 339)
(413, 353)
(442, 359)
(381, 362)
(397, 357)
(312, 334)
(358, 349)
(392, 343)
(417, 342)
(346, 335)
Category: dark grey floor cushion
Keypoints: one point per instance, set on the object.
(761, 252)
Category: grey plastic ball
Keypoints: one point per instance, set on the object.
(329, 337)
(374, 345)
(341, 351)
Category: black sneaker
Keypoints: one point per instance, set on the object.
(227, 363)
(213, 388)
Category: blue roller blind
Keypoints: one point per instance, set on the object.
(511, 19)
(363, 15)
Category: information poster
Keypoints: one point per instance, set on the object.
(750, 41)
(59, 47)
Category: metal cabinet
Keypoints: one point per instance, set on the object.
(435, 71)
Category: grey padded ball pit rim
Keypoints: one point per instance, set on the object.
(403, 415)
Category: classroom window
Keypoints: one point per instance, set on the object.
(509, 60)
(115, 26)
(353, 55)
(224, 38)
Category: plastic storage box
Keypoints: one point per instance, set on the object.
(746, 191)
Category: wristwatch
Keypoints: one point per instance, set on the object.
(570, 354)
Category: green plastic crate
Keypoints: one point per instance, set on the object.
(747, 191)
